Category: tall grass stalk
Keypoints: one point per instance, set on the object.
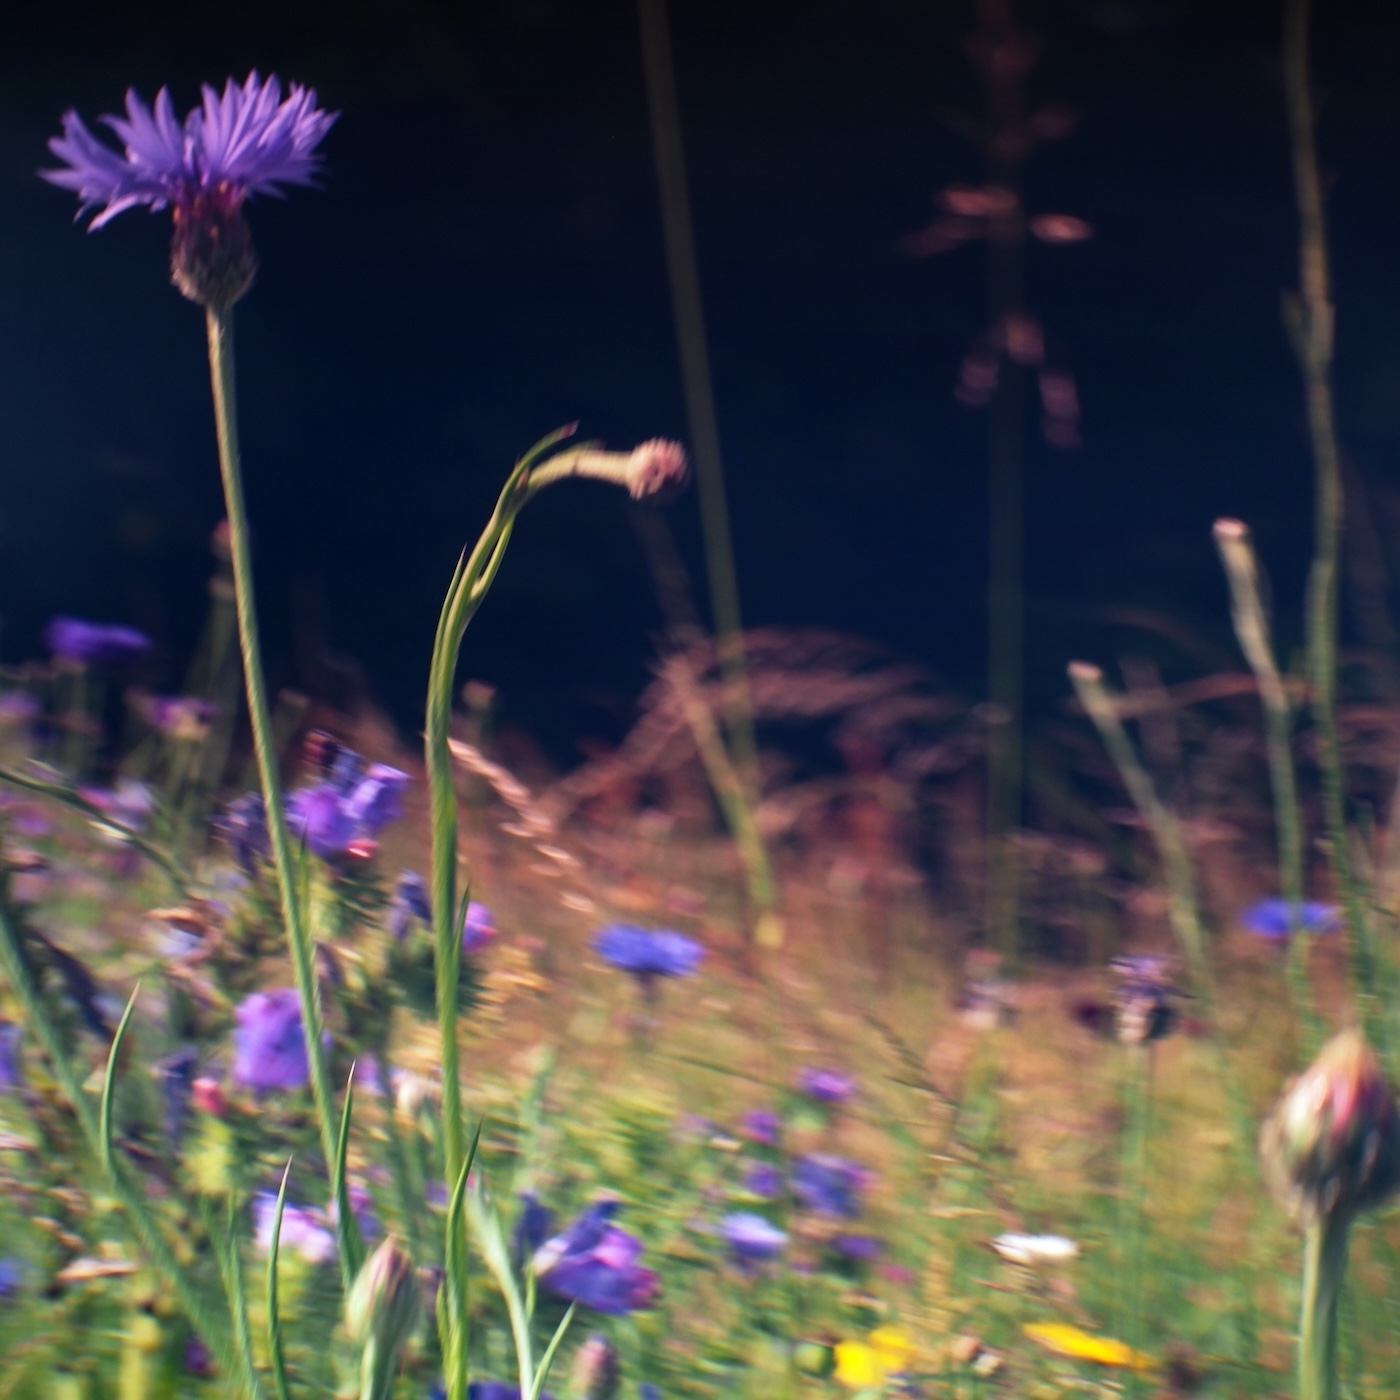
(688, 308)
(1131, 1223)
(1311, 321)
(1251, 621)
(219, 325)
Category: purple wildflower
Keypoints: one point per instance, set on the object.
(827, 1086)
(318, 816)
(377, 798)
(860, 1248)
(11, 1075)
(478, 928)
(243, 828)
(532, 1227)
(243, 142)
(408, 902)
(1145, 1001)
(647, 953)
(763, 1181)
(751, 1237)
(1274, 918)
(348, 807)
(269, 1048)
(185, 717)
(12, 1272)
(828, 1185)
(302, 1229)
(595, 1263)
(762, 1126)
(95, 643)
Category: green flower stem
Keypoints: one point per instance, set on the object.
(1324, 1272)
(219, 325)
(1311, 320)
(1251, 622)
(145, 1230)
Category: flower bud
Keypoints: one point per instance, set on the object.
(597, 1373)
(1332, 1144)
(211, 254)
(385, 1300)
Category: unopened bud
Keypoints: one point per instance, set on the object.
(211, 254)
(1332, 1144)
(385, 1300)
(597, 1372)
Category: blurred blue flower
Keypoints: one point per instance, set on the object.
(95, 643)
(243, 828)
(303, 1231)
(532, 1227)
(595, 1263)
(763, 1180)
(180, 716)
(862, 1248)
(647, 1391)
(12, 1272)
(349, 806)
(751, 1237)
(242, 142)
(1270, 918)
(762, 1127)
(10, 1070)
(646, 953)
(410, 902)
(826, 1086)
(478, 928)
(269, 1048)
(828, 1185)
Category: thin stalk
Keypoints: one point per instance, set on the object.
(688, 307)
(1325, 1248)
(1311, 320)
(1251, 620)
(1131, 1233)
(220, 331)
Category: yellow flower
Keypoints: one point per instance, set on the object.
(1065, 1340)
(868, 1364)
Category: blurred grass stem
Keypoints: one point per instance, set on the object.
(1251, 620)
(1310, 318)
(220, 331)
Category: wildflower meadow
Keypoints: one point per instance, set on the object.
(985, 1060)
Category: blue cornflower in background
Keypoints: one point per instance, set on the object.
(243, 828)
(532, 1227)
(860, 1248)
(763, 1180)
(269, 1048)
(647, 953)
(828, 1185)
(318, 816)
(763, 1127)
(303, 1230)
(95, 643)
(10, 1071)
(595, 1263)
(1272, 918)
(478, 928)
(12, 1272)
(244, 141)
(353, 804)
(485, 1390)
(751, 1237)
(410, 902)
(826, 1086)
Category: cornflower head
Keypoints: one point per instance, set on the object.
(302, 1229)
(269, 1048)
(352, 806)
(1275, 919)
(826, 1086)
(648, 954)
(752, 1238)
(595, 1263)
(243, 828)
(11, 1074)
(245, 141)
(95, 643)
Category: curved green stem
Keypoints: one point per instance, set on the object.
(1324, 1272)
(220, 330)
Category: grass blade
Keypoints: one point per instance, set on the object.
(274, 1322)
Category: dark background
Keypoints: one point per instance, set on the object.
(485, 263)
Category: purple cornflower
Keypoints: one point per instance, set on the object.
(243, 828)
(478, 928)
(410, 901)
(751, 1237)
(95, 643)
(243, 142)
(186, 717)
(532, 1227)
(269, 1048)
(302, 1229)
(11, 1075)
(12, 1272)
(762, 1126)
(827, 1086)
(860, 1248)
(1274, 918)
(647, 953)
(828, 1185)
(595, 1263)
(763, 1181)
(349, 807)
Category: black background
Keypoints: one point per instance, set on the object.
(485, 263)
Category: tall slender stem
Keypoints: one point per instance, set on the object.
(220, 329)
(1312, 321)
(1324, 1271)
